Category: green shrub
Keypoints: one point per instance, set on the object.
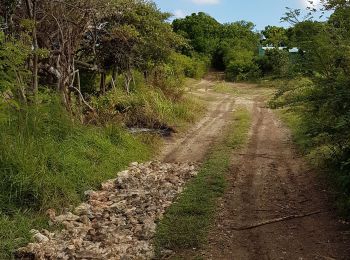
(240, 65)
(319, 117)
(241, 71)
(191, 67)
(47, 160)
(148, 107)
(277, 63)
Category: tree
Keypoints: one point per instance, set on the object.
(275, 36)
(57, 26)
(128, 35)
(13, 75)
(201, 30)
(323, 99)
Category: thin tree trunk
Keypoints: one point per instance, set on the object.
(114, 74)
(35, 56)
(80, 100)
(133, 79)
(31, 10)
(113, 83)
(21, 89)
(127, 80)
(103, 83)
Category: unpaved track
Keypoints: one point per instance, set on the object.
(193, 146)
(269, 180)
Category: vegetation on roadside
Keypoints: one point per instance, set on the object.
(48, 161)
(186, 222)
(315, 93)
(69, 91)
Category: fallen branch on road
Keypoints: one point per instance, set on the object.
(276, 220)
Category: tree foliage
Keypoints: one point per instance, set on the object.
(231, 47)
(202, 31)
(323, 98)
(275, 36)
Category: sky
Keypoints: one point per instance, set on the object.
(260, 12)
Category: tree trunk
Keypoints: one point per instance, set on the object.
(114, 74)
(127, 80)
(31, 11)
(133, 80)
(80, 100)
(103, 83)
(35, 56)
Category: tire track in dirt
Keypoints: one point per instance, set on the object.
(269, 180)
(194, 145)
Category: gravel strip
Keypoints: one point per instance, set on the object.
(117, 222)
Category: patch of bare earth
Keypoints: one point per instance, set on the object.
(193, 145)
(275, 206)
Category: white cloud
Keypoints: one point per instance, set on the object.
(179, 13)
(312, 3)
(206, 2)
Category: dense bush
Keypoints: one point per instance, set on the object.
(47, 160)
(319, 103)
(240, 65)
(321, 121)
(230, 47)
(147, 107)
(276, 63)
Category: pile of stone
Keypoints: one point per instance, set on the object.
(117, 222)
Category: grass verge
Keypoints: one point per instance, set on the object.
(48, 161)
(186, 222)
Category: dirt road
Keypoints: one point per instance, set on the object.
(268, 180)
(193, 146)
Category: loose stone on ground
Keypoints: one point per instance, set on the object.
(117, 222)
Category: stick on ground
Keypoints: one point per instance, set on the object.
(267, 222)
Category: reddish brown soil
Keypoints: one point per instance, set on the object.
(193, 146)
(269, 180)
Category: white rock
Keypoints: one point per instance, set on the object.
(40, 238)
(119, 221)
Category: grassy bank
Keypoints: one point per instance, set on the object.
(48, 159)
(149, 107)
(186, 222)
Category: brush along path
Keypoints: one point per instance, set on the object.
(193, 146)
(267, 210)
(117, 222)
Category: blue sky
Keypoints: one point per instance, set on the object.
(260, 12)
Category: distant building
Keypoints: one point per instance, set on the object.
(262, 50)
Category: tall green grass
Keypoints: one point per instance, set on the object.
(47, 161)
(149, 107)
